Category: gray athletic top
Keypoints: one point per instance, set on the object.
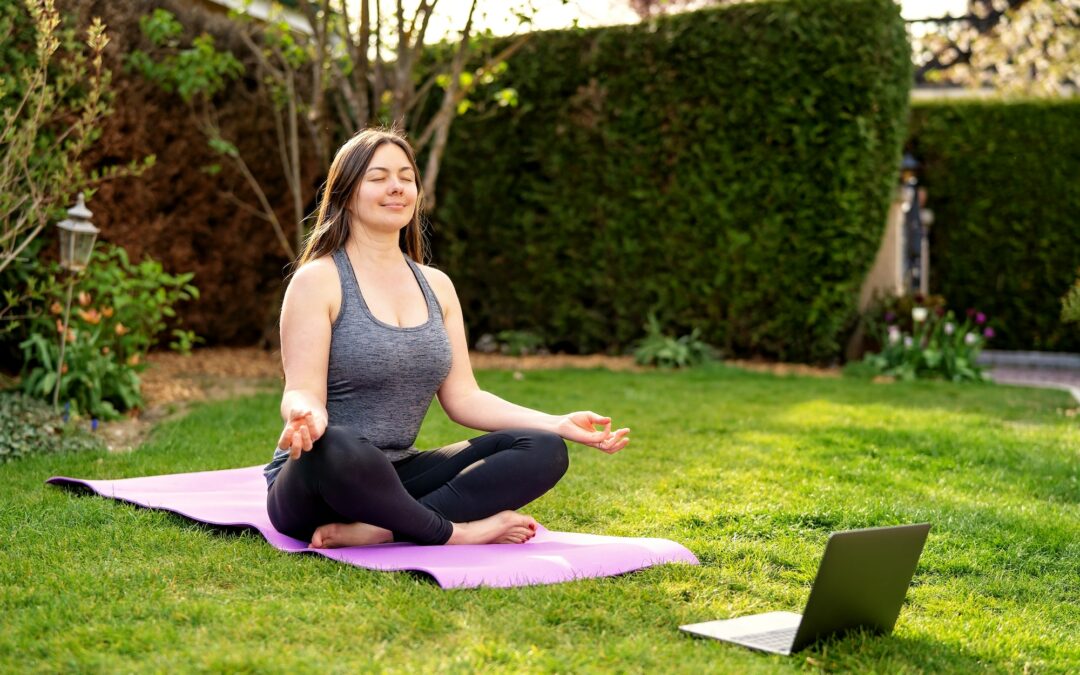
(380, 378)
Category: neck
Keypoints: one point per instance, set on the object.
(374, 248)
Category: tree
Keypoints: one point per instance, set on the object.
(1027, 47)
(337, 74)
(377, 69)
(647, 9)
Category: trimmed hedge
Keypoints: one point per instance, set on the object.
(1003, 180)
(729, 169)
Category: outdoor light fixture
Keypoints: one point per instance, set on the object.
(917, 219)
(77, 236)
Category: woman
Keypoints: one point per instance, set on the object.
(368, 337)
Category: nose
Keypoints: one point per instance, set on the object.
(397, 186)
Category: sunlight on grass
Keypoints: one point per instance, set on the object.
(749, 471)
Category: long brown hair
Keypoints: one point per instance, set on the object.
(331, 228)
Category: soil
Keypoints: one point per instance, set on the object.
(172, 382)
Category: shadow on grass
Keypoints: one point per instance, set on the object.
(864, 651)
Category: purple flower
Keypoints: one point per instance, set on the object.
(889, 317)
(988, 332)
(980, 318)
(93, 424)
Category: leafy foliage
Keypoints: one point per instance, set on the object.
(118, 313)
(936, 345)
(1001, 179)
(746, 203)
(197, 69)
(1070, 304)
(1028, 47)
(54, 94)
(30, 427)
(665, 351)
(519, 342)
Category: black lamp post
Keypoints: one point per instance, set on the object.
(77, 236)
(914, 227)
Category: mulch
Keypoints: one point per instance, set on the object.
(223, 371)
(173, 381)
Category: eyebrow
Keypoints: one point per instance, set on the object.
(383, 168)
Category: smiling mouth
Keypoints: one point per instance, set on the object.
(398, 206)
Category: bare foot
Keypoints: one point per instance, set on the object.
(508, 527)
(339, 535)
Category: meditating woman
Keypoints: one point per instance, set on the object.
(368, 336)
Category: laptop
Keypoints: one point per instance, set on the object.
(861, 583)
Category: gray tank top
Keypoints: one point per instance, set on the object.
(380, 378)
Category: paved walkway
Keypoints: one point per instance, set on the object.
(1054, 378)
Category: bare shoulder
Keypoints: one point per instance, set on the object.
(316, 283)
(442, 286)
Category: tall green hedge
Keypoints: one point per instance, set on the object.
(1003, 180)
(728, 169)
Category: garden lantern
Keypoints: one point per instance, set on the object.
(77, 236)
(916, 223)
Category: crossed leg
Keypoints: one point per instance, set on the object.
(346, 493)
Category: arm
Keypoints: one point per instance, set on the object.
(310, 300)
(468, 405)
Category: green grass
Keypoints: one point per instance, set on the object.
(751, 472)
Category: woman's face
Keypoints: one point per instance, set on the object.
(386, 197)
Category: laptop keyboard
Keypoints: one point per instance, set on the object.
(773, 639)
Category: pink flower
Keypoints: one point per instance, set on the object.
(988, 332)
(980, 318)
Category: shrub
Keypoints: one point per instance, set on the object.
(30, 427)
(1070, 304)
(54, 95)
(1001, 178)
(658, 349)
(116, 317)
(519, 342)
(730, 168)
(937, 346)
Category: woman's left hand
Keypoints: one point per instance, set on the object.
(580, 427)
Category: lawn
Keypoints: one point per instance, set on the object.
(750, 471)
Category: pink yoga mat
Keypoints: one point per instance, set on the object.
(237, 497)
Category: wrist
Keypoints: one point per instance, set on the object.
(553, 423)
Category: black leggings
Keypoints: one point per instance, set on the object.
(346, 479)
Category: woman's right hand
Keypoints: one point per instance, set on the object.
(302, 429)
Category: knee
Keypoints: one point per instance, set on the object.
(549, 450)
(341, 449)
